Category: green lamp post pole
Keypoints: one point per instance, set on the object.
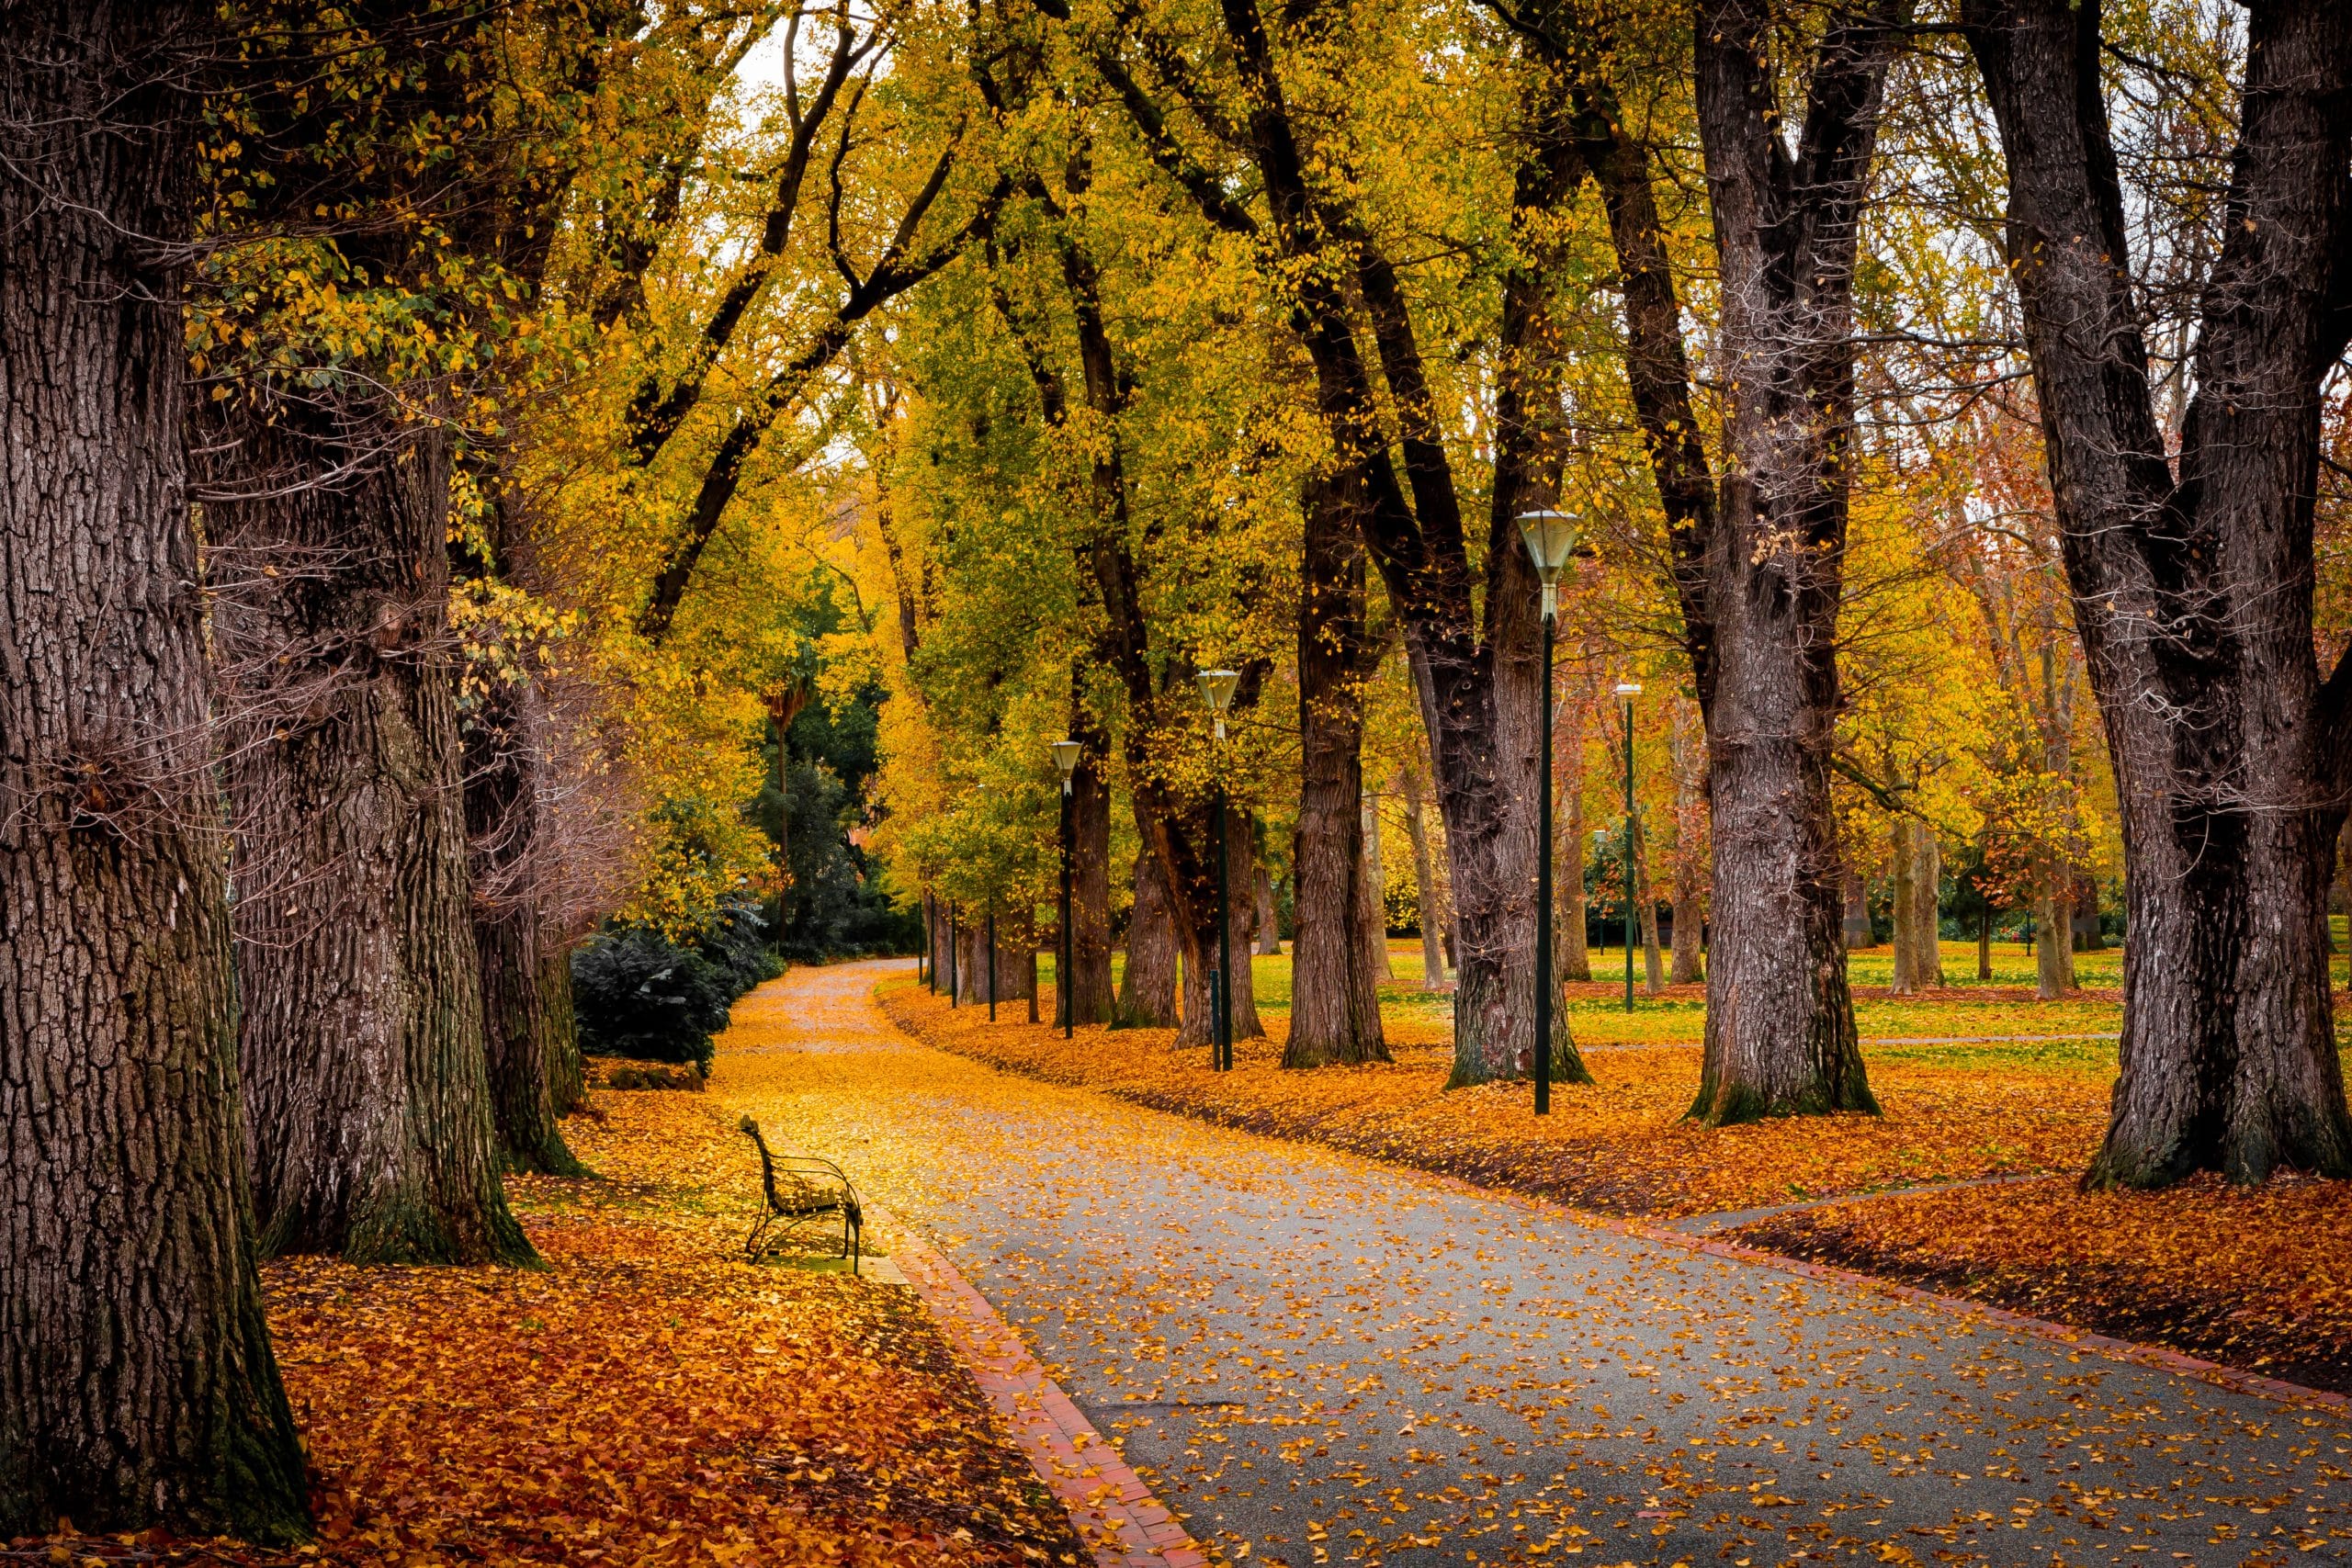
(1066, 758)
(1626, 692)
(1217, 687)
(1550, 535)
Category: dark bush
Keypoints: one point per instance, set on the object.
(637, 994)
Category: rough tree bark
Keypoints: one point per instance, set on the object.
(2193, 593)
(1761, 588)
(1335, 995)
(137, 1385)
(362, 1040)
(567, 1072)
(1758, 559)
(1147, 986)
(521, 1048)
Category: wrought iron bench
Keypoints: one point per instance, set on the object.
(802, 1191)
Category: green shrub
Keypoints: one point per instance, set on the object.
(638, 994)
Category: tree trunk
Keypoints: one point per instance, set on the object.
(361, 1047)
(1927, 907)
(1689, 858)
(1090, 978)
(1335, 996)
(1856, 925)
(1269, 918)
(521, 1063)
(1016, 961)
(1757, 561)
(137, 1385)
(2193, 596)
(1763, 614)
(2053, 916)
(502, 821)
(1653, 968)
(1429, 904)
(1372, 890)
(1148, 988)
(2088, 937)
(1477, 678)
(1984, 941)
(1902, 845)
(567, 1074)
(1199, 945)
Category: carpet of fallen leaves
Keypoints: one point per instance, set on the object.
(1618, 1147)
(646, 1398)
(2259, 1280)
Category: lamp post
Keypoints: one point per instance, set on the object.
(1216, 688)
(1626, 692)
(1550, 536)
(1066, 758)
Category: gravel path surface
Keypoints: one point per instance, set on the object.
(1317, 1359)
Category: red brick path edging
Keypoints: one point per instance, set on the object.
(1115, 1512)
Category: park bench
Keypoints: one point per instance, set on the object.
(798, 1191)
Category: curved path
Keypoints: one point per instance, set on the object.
(1317, 1359)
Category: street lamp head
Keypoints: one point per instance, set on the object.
(1217, 687)
(1066, 756)
(1629, 690)
(1551, 538)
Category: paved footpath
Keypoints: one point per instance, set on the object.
(1315, 1358)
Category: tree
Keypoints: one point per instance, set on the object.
(1474, 667)
(1335, 994)
(331, 443)
(137, 1385)
(2192, 576)
(1757, 553)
